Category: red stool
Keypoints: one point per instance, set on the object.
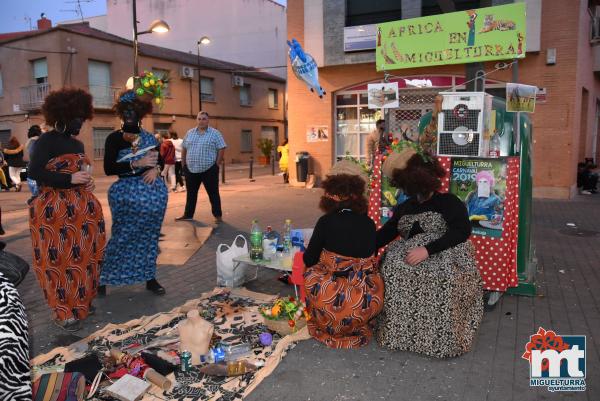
(298, 275)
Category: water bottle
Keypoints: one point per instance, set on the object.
(495, 146)
(256, 245)
(287, 236)
(270, 240)
(216, 354)
(235, 352)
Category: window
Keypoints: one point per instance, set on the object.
(208, 92)
(40, 71)
(273, 99)
(99, 84)
(99, 135)
(360, 12)
(432, 7)
(245, 96)
(162, 128)
(160, 73)
(246, 141)
(5, 135)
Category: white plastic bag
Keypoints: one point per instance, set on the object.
(225, 264)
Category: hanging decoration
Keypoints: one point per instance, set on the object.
(149, 85)
(304, 67)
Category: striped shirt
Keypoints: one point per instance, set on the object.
(202, 148)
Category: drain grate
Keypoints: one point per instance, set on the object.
(578, 232)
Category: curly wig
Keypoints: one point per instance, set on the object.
(34, 131)
(13, 143)
(421, 176)
(343, 191)
(67, 104)
(128, 99)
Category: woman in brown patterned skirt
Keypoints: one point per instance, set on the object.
(344, 290)
(66, 221)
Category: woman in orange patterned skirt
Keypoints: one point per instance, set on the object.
(344, 290)
(65, 218)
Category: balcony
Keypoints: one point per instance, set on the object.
(32, 96)
(104, 96)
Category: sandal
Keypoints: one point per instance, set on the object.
(71, 325)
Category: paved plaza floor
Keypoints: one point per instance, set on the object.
(568, 301)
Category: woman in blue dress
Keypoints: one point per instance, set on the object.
(138, 200)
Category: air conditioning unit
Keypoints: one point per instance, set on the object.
(187, 72)
(461, 130)
(237, 80)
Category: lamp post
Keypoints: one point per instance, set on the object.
(158, 26)
(203, 41)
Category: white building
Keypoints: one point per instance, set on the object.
(249, 32)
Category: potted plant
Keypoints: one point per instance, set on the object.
(266, 147)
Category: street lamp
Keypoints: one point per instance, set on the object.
(205, 40)
(158, 26)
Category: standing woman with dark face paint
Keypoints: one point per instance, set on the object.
(138, 200)
(65, 218)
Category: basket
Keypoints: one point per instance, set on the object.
(282, 327)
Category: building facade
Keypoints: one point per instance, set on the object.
(249, 32)
(562, 59)
(244, 105)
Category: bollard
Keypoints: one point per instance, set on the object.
(273, 162)
(251, 166)
(223, 172)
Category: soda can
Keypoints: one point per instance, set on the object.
(186, 361)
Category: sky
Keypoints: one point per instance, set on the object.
(17, 14)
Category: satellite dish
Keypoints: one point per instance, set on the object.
(462, 136)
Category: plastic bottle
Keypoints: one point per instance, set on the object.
(216, 354)
(287, 236)
(270, 240)
(256, 238)
(234, 352)
(494, 146)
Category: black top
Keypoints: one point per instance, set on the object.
(345, 232)
(452, 209)
(50, 145)
(14, 160)
(114, 143)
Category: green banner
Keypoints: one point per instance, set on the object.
(484, 34)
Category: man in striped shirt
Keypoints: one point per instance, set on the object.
(202, 153)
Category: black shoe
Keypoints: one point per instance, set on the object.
(101, 290)
(152, 285)
(285, 279)
(184, 218)
(2, 231)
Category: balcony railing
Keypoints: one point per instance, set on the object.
(32, 96)
(104, 96)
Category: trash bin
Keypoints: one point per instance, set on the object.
(302, 166)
